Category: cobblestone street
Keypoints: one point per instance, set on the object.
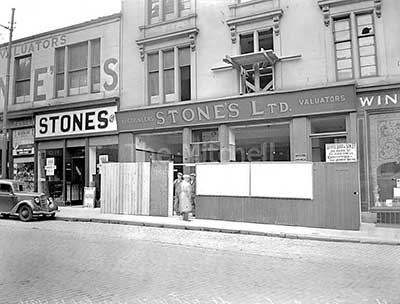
(71, 262)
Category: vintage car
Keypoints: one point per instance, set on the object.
(14, 201)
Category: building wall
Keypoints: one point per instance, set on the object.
(42, 49)
(301, 32)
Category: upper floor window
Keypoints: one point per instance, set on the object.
(78, 68)
(344, 56)
(366, 44)
(22, 79)
(172, 81)
(162, 10)
(364, 37)
(258, 76)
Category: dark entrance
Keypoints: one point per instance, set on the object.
(75, 175)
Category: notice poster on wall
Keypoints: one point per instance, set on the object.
(341, 152)
(50, 166)
(88, 197)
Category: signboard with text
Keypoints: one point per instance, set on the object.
(76, 122)
(242, 108)
(341, 152)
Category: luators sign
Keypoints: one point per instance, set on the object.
(76, 122)
(256, 107)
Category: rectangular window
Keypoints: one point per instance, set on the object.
(169, 84)
(184, 66)
(205, 146)
(154, 11)
(184, 7)
(342, 38)
(78, 68)
(262, 143)
(326, 130)
(153, 75)
(60, 63)
(162, 10)
(95, 65)
(168, 9)
(180, 79)
(23, 79)
(366, 45)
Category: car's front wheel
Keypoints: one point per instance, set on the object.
(25, 213)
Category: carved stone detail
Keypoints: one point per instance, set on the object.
(141, 52)
(232, 30)
(276, 21)
(378, 8)
(192, 40)
(327, 14)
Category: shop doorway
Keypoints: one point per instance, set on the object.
(75, 175)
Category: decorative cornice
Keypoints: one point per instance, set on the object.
(192, 39)
(327, 15)
(274, 15)
(276, 20)
(326, 6)
(232, 29)
(168, 36)
(378, 8)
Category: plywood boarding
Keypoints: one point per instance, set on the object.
(282, 180)
(335, 204)
(160, 190)
(231, 179)
(125, 188)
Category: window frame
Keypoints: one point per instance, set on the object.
(178, 10)
(350, 41)
(374, 44)
(17, 80)
(66, 71)
(162, 97)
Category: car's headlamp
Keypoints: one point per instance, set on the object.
(50, 200)
(36, 200)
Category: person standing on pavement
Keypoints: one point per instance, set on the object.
(185, 195)
(176, 192)
(193, 184)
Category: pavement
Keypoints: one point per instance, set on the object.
(369, 233)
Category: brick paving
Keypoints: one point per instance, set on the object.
(71, 262)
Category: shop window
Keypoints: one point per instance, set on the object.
(162, 10)
(205, 146)
(163, 146)
(79, 70)
(364, 34)
(262, 143)
(326, 130)
(22, 79)
(50, 173)
(366, 44)
(166, 91)
(388, 190)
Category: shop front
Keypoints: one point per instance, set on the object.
(379, 112)
(285, 127)
(71, 146)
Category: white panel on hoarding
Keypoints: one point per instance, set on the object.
(223, 179)
(282, 180)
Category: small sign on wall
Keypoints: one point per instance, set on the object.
(50, 166)
(341, 152)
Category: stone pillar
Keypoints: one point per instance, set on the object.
(186, 151)
(299, 141)
(126, 147)
(225, 153)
